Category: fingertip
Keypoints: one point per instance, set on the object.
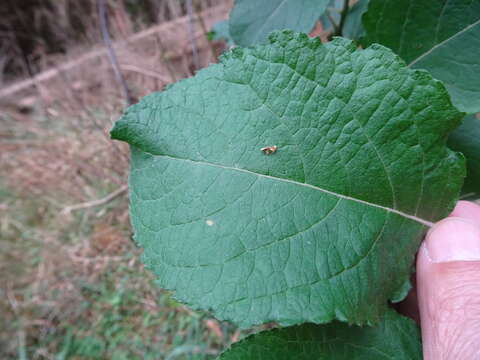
(453, 239)
(467, 210)
(448, 283)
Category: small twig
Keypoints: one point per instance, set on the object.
(191, 34)
(22, 353)
(332, 20)
(343, 16)
(173, 7)
(145, 72)
(466, 196)
(167, 62)
(11, 299)
(97, 202)
(102, 13)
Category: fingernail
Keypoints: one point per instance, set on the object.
(453, 239)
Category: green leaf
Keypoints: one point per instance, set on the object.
(396, 337)
(324, 228)
(220, 31)
(251, 21)
(466, 139)
(332, 12)
(353, 28)
(441, 36)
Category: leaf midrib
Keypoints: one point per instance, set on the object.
(265, 21)
(332, 193)
(429, 51)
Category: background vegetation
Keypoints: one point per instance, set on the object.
(71, 282)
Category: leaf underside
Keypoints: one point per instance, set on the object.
(466, 138)
(221, 32)
(332, 13)
(353, 28)
(324, 228)
(395, 337)
(251, 21)
(440, 36)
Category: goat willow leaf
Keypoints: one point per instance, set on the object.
(466, 138)
(327, 226)
(221, 31)
(353, 28)
(334, 8)
(251, 21)
(441, 36)
(395, 338)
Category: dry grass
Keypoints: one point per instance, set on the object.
(51, 160)
(74, 288)
(71, 283)
(34, 32)
(54, 135)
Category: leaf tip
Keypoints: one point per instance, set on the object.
(116, 131)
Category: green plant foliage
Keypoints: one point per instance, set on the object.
(221, 31)
(441, 36)
(332, 12)
(251, 21)
(396, 337)
(466, 138)
(353, 28)
(324, 228)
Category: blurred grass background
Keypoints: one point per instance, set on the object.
(72, 285)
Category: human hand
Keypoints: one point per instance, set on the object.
(448, 286)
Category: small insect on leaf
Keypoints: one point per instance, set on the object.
(267, 150)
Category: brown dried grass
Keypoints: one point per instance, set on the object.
(34, 32)
(55, 151)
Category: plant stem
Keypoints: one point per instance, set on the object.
(102, 14)
(343, 16)
(334, 24)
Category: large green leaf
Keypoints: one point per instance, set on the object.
(251, 21)
(395, 337)
(441, 36)
(466, 138)
(327, 226)
(332, 13)
(221, 31)
(353, 27)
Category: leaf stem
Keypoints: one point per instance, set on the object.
(334, 24)
(343, 16)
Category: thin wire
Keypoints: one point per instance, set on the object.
(102, 13)
(191, 34)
